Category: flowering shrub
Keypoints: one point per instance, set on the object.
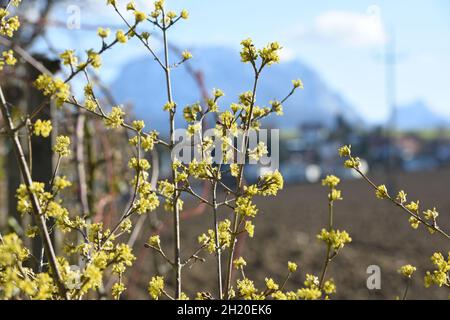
(94, 253)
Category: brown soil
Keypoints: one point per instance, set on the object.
(285, 231)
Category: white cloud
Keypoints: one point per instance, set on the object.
(287, 55)
(350, 28)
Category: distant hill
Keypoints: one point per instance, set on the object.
(418, 116)
(140, 83)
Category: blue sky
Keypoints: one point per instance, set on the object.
(343, 40)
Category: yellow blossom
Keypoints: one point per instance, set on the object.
(250, 228)
(331, 181)
(407, 270)
(9, 58)
(246, 288)
(239, 263)
(186, 55)
(103, 32)
(154, 241)
(115, 118)
(156, 287)
(68, 57)
(184, 14)
(271, 284)
(245, 207)
(297, 83)
(62, 146)
(42, 128)
(401, 197)
(345, 151)
(382, 192)
(61, 183)
(329, 287)
(431, 214)
(117, 289)
(337, 239)
(121, 36)
(292, 267)
(139, 16)
(169, 106)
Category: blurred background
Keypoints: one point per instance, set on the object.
(376, 76)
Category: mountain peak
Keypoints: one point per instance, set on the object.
(222, 68)
(417, 115)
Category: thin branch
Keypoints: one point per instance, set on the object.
(412, 214)
(40, 218)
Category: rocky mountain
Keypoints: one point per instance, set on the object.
(418, 115)
(141, 84)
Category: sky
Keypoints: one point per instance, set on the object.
(344, 41)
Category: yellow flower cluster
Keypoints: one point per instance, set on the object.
(121, 36)
(381, 192)
(167, 190)
(292, 267)
(439, 276)
(350, 162)
(407, 270)
(250, 228)
(190, 112)
(276, 107)
(269, 54)
(117, 289)
(209, 240)
(169, 106)
(61, 183)
(103, 32)
(186, 55)
(100, 252)
(8, 25)
(68, 58)
(18, 281)
(147, 203)
(246, 289)
(42, 128)
(297, 83)
(258, 152)
(115, 118)
(245, 207)
(156, 287)
(270, 183)
(154, 241)
(239, 263)
(94, 60)
(337, 239)
(271, 284)
(62, 145)
(148, 140)
(146, 199)
(53, 87)
(139, 16)
(201, 170)
(332, 181)
(8, 58)
(139, 164)
(311, 290)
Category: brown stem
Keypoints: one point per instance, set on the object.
(412, 214)
(217, 240)
(240, 183)
(40, 219)
(327, 257)
(176, 211)
(81, 168)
